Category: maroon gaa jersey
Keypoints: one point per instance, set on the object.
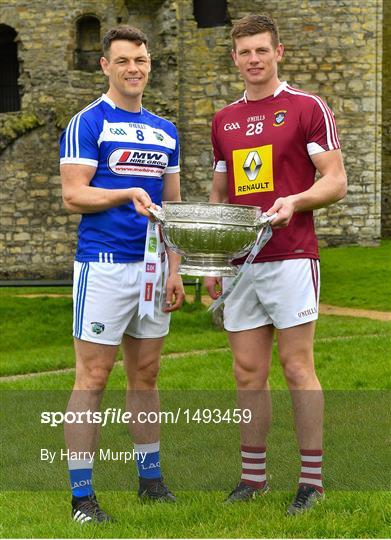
(265, 148)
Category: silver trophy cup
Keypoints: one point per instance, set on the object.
(209, 236)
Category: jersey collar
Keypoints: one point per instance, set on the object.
(114, 106)
(281, 87)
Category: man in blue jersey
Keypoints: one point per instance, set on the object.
(117, 159)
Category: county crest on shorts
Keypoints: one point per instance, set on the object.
(97, 327)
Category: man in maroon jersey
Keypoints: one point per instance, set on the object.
(268, 146)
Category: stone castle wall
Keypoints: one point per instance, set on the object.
(337, 55)
(38, 237)
(332, 49)
(386, 123)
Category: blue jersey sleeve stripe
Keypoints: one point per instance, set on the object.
(66, 143)
(68, 149)
(75, 141)
(68, 139)
(89, 107)
(72, 148)
(71, 128)
(73, 136)
(66, 154)
(77, 136)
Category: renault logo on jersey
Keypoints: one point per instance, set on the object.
(132, 161)
(253, 170)
(252, 165)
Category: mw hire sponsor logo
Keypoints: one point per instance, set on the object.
(143, 162)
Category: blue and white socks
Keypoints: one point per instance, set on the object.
(80, 475)
(148, 460)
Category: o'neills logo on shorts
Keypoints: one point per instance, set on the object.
(148, 292)
(307, 312)
(138, 162)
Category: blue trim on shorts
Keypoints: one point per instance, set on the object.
(76, 323)
(80, 300)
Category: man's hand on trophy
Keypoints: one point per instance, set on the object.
(285, 208)
(142, 201)
(213, 286)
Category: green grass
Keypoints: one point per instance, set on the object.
(36, 333)
(201, 515)
(357, 276)
(35, 291)
(205, 382)
(36, 336)
(352, 362)
(350, 353)
(352, 276)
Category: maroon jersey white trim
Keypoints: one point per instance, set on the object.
(331, 129)
(264, 147)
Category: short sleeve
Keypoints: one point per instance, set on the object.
(321, 129)
(219, 163)
(173, 160)
(79, 143)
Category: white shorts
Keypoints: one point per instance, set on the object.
(105, 304)
(282, 293)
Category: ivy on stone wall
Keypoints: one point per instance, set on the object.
(13, 125)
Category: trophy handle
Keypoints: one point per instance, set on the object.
(157, 213)
(264, 218)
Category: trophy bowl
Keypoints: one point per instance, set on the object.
(208, 235)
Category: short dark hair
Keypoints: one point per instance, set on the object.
(129, 33)
(255, 24)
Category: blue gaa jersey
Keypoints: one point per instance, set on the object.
(128, 150)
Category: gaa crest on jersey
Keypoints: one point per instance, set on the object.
(279, 118)
(253, 170)
(138, 162)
